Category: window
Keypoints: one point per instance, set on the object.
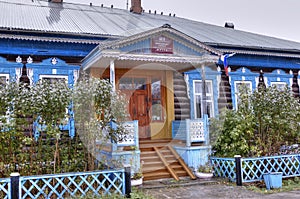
(130, 83)
(279, 85)
(157, 111)
(199, 101)
(238, 86)
(54, 78)
(4, 78)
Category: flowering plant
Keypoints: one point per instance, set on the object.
(137, 175)
(207, 168)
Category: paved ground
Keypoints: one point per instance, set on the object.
(207, 189)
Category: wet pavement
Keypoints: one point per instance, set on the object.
(208, 189)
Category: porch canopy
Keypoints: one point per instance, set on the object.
(164, 47)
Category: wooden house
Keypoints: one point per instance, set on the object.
(171, 69)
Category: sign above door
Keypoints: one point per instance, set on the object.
(162, 44)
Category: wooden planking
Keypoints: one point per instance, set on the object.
(151, 160)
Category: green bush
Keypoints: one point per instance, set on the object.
(54, 151)
(265, 120)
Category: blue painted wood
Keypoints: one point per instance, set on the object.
(61, 68)
(24, 47)
(191, 131)
(138, 47)
(69, 126)
(179, 48)
(5, 188)
(179, 130)
(131, 138)
(279, 76)
(253, 169)
(224, 167)
(194, 156)
(73, 184)
(115, 156)
(9, 68)
(210, 75)
(262, 61)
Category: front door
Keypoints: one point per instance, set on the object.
(136, 90)
(139, 110)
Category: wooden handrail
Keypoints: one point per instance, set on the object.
(182, 163)
(167, 165)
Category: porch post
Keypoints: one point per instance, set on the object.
(112, 76)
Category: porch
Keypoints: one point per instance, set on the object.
(176, 157)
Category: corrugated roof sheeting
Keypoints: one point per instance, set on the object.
(84, 19)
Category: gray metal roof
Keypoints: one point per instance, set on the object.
(67, 18)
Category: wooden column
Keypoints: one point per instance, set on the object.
(112, 76)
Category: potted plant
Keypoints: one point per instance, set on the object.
(137, 179)
(204, 171)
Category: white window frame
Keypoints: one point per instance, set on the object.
(55, 77)
(236, 93)
(6, 77)
(208, 82)
(284, 84)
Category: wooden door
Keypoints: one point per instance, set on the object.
(139, 110)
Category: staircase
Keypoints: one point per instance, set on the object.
(159, 160)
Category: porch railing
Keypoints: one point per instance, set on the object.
(131, 138)
(253, 169)
(191, 131)
(114, 152)
(64, 185)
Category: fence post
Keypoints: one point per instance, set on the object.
(127, 181)
(14, 185)
(238, 169)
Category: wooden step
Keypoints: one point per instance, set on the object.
(159, 160)
(156, 175)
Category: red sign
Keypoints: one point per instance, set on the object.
(162, 44)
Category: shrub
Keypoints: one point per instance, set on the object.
(265, 120)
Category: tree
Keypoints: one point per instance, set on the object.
(96, 105)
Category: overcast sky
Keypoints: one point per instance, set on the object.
(278, 18)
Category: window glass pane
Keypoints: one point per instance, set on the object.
(155, 89)
(209, 108)
(208, 88)
(140, 83)
(279, 85)
(125, 83)
(156, 110)
(198, 87)
(198, 98)
(2, 80)
(198, 106)
(55, 79)
(239, 86)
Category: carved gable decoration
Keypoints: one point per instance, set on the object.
(160, 41)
